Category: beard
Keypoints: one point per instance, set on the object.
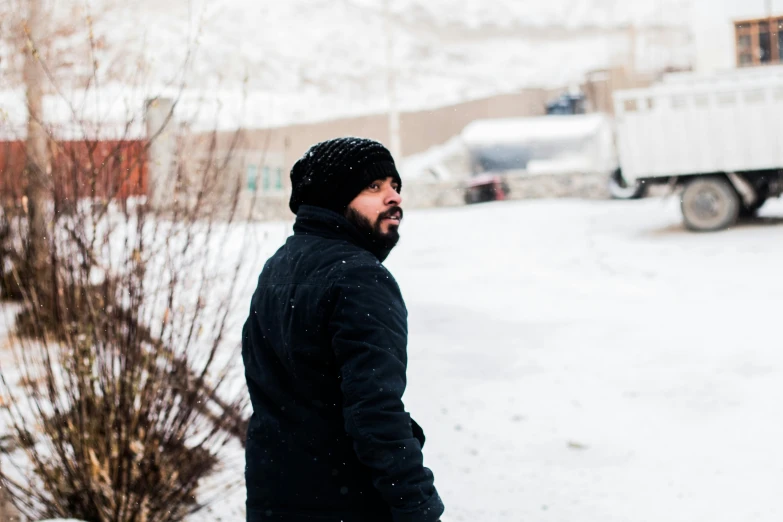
(387, 240)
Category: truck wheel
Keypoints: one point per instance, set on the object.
(620, 189)
(710, 203)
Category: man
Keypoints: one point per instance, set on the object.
(324, 349)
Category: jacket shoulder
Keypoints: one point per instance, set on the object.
(364, 284)
(343, 261)
(360, 265)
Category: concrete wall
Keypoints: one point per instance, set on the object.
(229, 172)
(433, 194)
(599, 86)
(571, 185)
(419, 130)
(161, 131)
(279, 148)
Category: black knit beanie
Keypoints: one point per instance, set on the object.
(332, 173)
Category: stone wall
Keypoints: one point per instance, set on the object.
(574, 185)
(433, 194)
(450, 193)
(420, 194)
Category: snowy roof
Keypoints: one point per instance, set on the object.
(107, 113)
(117, 111)
(539, 128)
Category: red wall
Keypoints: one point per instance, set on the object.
(80, 169)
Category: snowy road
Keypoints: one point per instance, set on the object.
(595, 362)
(587, 361)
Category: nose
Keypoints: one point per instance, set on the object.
(392, 197)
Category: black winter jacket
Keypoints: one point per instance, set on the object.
(324, 349)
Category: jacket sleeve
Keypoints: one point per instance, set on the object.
(369, 338)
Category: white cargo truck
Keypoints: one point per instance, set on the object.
(717, 137)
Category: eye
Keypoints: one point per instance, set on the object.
(374, 185)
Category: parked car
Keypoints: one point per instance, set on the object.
(554, 144)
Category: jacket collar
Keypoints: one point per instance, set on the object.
(317, 221)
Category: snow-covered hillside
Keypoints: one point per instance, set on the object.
(315, 59)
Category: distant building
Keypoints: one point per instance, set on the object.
(120, 170)
(759, 41)
(737, 33)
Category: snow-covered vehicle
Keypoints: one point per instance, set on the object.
(552, 144)
(717, 137)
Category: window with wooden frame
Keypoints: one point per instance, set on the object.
(759, 41)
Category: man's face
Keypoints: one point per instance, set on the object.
(377, 212)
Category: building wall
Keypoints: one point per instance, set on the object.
(278, 149)
(419, 130)
(108, 169)
(600, 85)
(713, 29)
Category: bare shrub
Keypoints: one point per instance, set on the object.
(120, 400)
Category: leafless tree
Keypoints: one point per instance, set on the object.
(124, 391)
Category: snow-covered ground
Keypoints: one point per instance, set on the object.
(592, 361)
(595, 362)
(588, 361)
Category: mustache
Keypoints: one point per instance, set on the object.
(394, 211)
